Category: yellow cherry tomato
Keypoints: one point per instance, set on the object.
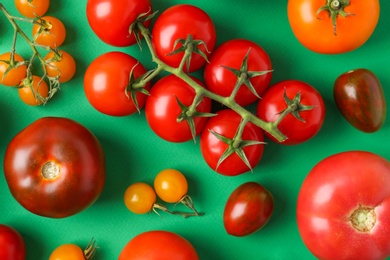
(171, 185)
(33, 9)
(52, 33)
(62, 65)
(27, 95)
(14, 75)
(140, 198)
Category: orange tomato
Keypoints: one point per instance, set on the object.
(73, 252)
(64, 66)
(26, 93)
(14, 75)
(33, 9)
(353, 24)
(52, 34)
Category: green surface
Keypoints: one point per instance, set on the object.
(135, 153)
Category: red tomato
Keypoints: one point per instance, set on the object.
(315, 29)
(226, 123)
(360, 99)
(343, 207)
(55, 167)
(176, 23)
(222, 81)
(297, 130)
(111, 19)
(162, 109)
(106, 80)
(12, 246)
(158, 244)
(247, 209)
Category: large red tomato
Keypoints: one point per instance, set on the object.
(343, 208)
(176, 23)
(12, 246)
(111, 19)
(158, 244)
(55, 167)
(312, 23)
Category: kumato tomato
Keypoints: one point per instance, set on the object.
(158, 244)
(49, 32)
(12, 246)
(32, 8)
(55, 167)
(13, 76)
(333, 26)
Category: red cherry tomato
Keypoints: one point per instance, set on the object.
(158, 244)
(106, 80)
(298, 126)
(111, 19)
(226, 123)
(343, 207)
(162, 109)
(12, 246)
(176, 23)
(222, 81)
(248, 209)
(55, 167)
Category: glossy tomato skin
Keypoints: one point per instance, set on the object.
(248, 209)
(110, 20)
(158, 244)
(55, 167)
(177, 22)
(162, 109)
(360, 99)
(226, 123)
(12, 246)
(231, 54)
(273, 103)
(105, 82)
(316, 32)
(332, 191)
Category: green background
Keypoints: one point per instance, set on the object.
(134, 153)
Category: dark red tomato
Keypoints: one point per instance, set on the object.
(162, 109)
(106, 80)
(360, 99)
(158, 244)
(343, 207)
(222, 81)
(301, 124)
(111, 19)
(176, 23)
(12, 246)
(226, 124)
(247, 209)
(55, 167)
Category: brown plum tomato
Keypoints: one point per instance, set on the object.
(177, 23)
(158, 244)
(298, 126)
(248, 209)
(343, 207)
(106, 80)
(33, 93)
(231, 54)
(50, 32)
(62, 65)
(110, 20)
(360, 99)
(12, 246)
(226, 123)
(162, 109)
(32, 9)
(15, 75)
(55, 167)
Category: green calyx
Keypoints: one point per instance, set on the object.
(131, 91)
(335, 8)
(134, 27)
(294, 106)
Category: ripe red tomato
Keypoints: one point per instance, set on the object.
(226, 124)
(343, 207)
(315, 29)
(158, 244)
(55, 167)
(110, 20)
(360, 99)
(162, 109)
(106, 80)
(176, 23)
(12, 246)
(297, 130)
(248, 209)
(222, 81)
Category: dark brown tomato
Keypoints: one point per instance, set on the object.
(248, 209)
(360, 99)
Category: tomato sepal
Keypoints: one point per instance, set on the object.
(335, 8)
(138, 25)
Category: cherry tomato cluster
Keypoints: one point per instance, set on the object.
(48, 33)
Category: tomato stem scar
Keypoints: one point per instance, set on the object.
(363, 219)
(50, 170)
